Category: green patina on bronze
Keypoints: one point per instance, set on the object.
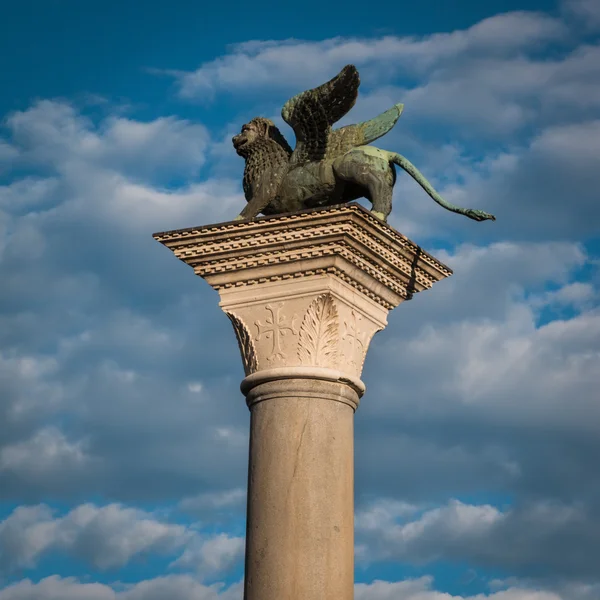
(327, 166)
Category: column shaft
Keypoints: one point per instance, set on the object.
(300, 528)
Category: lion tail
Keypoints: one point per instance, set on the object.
(406, 165)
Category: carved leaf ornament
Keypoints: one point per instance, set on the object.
(319, 334)
(247, 349)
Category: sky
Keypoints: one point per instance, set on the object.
(123, 433)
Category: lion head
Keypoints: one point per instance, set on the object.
(255, 133)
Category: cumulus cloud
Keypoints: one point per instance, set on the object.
(512, 409)
(185, 587)
(56, 133)
(421, 589)
(558, 537)
(301, 63)
(117, 359)
(109, 537)
(545, 190)
(175, 587)
(67, 332)
(106, 537)
(488, 79)
(530, 119)
(47, 451)
(214, 555)
(133, 356)
(578, 295)
(498, 326)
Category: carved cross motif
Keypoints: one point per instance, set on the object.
(275, 328)
(355, 337)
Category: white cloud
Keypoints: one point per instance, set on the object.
(489, 399)
(36, 371)
(97, 194)
(381, 513)
(107, 536)
(421, 589)
(56, 588)
(518, 538)
(487, 79)
(578, 295)
(111, 535)
(185, 587)
(25, 533)
(575, 143)
(195, 387)
(231, 436)
(500, 95)
(488, 83)
(579, 591)
(434, 534)
(181, 587)
(54, 133)
(214, 555)
(299, 63)
(174, 587)
(101, 326)
(494, 357)
(511, 371)
(46, 452)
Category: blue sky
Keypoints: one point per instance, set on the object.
(123, 435)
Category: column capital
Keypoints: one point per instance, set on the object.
(307, 289)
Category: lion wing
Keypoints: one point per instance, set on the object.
(344, 139)
(312, 113)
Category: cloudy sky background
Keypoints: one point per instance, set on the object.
(123, 435)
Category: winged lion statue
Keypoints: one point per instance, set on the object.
(328, 166)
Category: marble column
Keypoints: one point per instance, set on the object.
(305, 292)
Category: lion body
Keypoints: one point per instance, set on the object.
(277, 180)
(363, 171)
(335, 181)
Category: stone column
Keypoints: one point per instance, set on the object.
(305, 292)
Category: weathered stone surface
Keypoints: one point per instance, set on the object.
(327, 166)
(305, 292)
(300, 527)
(309, 288)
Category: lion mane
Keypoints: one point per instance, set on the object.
(270, 131)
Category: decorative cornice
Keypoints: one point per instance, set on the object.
(346, 241)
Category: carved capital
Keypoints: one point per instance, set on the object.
(309, 329)
(307, 289)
